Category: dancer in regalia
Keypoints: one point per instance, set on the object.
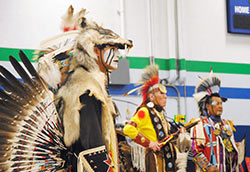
(81, 136)
(149, 127)
(214, 148)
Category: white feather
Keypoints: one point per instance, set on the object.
(49, 70)
(61, 40)
(200, 95)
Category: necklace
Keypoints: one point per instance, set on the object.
(224, 133)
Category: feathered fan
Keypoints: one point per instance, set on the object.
(30, 129)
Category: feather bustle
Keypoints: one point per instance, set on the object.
(30, 137)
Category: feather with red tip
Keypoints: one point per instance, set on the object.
(148, 84)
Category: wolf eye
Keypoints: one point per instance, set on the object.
(83, 24)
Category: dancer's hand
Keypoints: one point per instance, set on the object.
(155, 146)
(183, 130)
(212, 169)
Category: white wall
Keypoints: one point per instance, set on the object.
(25, 23)
(202, 24)
(202, 35)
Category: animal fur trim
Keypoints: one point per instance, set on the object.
(138, 156)
(184, 142)
(181, 161)
(241, 150)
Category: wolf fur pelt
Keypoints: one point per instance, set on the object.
(71, 91)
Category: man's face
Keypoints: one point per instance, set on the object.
(107, 58)
(159, 98)
(215, 108)
(111, 57)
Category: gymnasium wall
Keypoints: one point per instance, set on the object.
(186, 39)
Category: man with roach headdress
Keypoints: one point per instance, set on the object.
(214, 148)
(149, 127)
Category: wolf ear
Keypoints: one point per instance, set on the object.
(70, 11)
(82, 18)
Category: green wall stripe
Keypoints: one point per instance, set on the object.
(6, 52)
(218, 67)
(138, 62)
(183, 64)
(164, 64)
(142, 62)
(191, 65)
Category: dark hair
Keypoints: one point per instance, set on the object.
(209, 98)
(202, 106)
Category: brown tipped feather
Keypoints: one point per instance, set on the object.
(11, 78)
(29, 66)
(26, 78)
(7, 127)
(6, 97)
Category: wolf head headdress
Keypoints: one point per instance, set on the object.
(92, 46)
